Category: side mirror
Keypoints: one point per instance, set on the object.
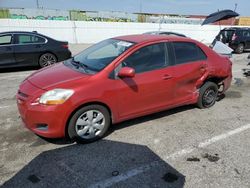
(126, 72)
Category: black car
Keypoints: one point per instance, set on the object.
(237, 38)
(165, 33)
(20, 48)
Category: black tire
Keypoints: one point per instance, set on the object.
(240, 48)
(47, 59)
(208, 95)
(79, 115)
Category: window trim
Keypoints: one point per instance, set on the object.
(13, 39)
(188, 62)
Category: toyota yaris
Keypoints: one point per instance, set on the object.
(119, 79)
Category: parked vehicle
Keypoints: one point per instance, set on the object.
(119, 79)
(165, 33)
(237, 38)
(18, 48)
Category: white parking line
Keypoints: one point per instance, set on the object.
(111, 181)
(16, 76)
(131, 173)
(237, 71)
(7, 106)
(1, 107)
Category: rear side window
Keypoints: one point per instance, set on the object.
(5, 39)
(28, 39)
(186, 52)
(246, 33)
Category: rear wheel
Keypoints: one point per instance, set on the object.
(208, 95)
(47, 59)
(89, 123)
(240, 48)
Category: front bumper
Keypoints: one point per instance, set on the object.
(44, 120)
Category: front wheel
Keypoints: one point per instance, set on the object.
(208, 95)
(89, 123)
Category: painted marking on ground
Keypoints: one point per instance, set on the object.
(237, 71)
(113, 180)
(7, 106)
(2, 107)
(16, 76)
(134, 172)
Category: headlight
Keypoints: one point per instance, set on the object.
(55, 96)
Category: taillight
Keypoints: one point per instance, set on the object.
(234, 37)
(65, 46)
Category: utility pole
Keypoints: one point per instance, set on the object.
(140, 6)
(37, 4)
(235, 6)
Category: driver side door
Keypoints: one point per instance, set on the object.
(150, 89)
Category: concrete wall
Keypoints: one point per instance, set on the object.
(92, 32)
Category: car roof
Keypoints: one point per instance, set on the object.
(22, 32)
(164, 33)
(151, 38)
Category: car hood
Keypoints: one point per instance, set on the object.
(54, 75)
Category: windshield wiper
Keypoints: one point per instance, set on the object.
(79, 64)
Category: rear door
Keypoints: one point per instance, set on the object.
(190, 65)
(6, 50)
(28, 48)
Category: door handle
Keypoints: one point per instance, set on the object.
(167, 77)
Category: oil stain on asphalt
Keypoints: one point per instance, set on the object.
(209, 157)
(193, 159)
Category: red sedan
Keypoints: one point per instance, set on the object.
(119, 79)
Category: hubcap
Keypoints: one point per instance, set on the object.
(209, 97)
(47, 59)
(90, 124)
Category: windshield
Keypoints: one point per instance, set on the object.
(98, 56)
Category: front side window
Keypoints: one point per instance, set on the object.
(5, 39)
(98, 56)
(186, 52)
(147, 58)
(28, 39)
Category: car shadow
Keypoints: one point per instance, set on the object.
(103, 163)
(18, 69)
